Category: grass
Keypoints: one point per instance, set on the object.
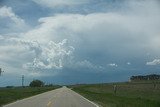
(8, 95)
(128, 94)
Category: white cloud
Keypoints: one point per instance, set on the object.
(48, 56)
(128, 63)
(1, 37)
(97, 29)
(43, 56)
(108, 33)
(6, 12)
(10, 22)
(105, 27)
(154, 62)
(86, 64)
(55, 3)
(113, 65)
(55, 56)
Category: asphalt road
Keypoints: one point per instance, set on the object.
(62, 97)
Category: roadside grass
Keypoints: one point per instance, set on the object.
(128, 94)
(8, 95)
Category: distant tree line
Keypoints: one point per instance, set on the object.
(145, 77)
(39, 83)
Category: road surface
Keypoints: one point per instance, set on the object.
(62, 97)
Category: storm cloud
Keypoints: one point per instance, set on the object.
(113, 39)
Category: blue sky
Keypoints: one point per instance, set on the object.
(70, 41)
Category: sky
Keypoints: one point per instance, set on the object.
(78, 41)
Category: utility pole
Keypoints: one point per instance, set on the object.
(1, 71)
(22, 80)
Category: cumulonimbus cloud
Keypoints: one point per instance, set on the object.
(49, 56)
(99, 37)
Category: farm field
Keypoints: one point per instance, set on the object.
(135, 94)
(8, 95)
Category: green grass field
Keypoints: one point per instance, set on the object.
(128, 94)
(8, 95)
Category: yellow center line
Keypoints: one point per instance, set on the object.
(49, 104)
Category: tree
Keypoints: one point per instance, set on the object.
(36, 83)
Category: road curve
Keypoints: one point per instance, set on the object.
(62, 97)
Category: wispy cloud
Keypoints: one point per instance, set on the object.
(10, 21)
(55, 3)
(154, 62)
(128, 63)
(6, 12)
(113, 65)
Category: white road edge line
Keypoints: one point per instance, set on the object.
(86, 99)
(89, 101)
